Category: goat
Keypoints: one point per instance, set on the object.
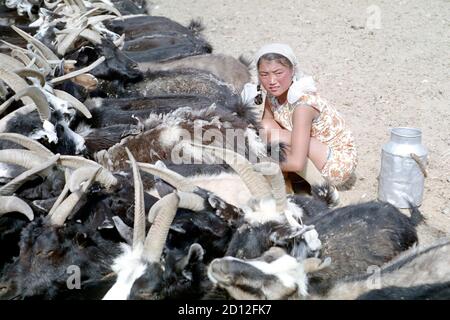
(165, 137)
(226, 68)
(201, 83)
(117, 65)
(413, 273)
(359, 236)
(148, 38)
(140, 273)
(48, 248)
(274, 275)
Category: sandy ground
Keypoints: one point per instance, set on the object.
(383, 64)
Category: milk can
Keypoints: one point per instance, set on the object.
(402, 172)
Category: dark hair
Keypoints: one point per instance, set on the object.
(276, 57)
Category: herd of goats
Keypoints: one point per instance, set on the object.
(97, 101)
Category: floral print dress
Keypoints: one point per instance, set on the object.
(329, 128)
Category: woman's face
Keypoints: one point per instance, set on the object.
(275, 77)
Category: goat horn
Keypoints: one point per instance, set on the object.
(74, 102)
(63, 193)
(26, 142)
(139, 208)
(79, 176)
(15, 82)
(80, 4)
(105, 177)
(119, 42)
(14, 184)
(100, 18)
(27, 72)
(42, 64)
(22, 57)
(21, 111)
(92, 36)
(255, 182)
(24, 158)
(174, 179)
(14, 204)
(39, 99)
(273, 174)
(46, 52)
(191, 201)
(3, 91)
(164, 210)
(124, 230)
(68, 40)
(60, 214)
(51, 5)
(9, 63)
(78, 72)
(107, 7)
(188, 200)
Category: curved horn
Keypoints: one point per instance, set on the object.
(174, 179)
(15, 82)
(139, 208)
(105, 177)
(14, 184)
(27, 72)
(188, 200)
(51, 5)
(92, 36)
(119, 42)
(255, 182)
(68, 40)
(60, 214)
(107, 7)
(96, 19)
(24, 158)
(165, 210)
(63, 193)
(274, 176)
(80, 175)
(74, 102)
(46, 52)
(78, 72)
(9, 63)
(27, 143)
(39, 99)
(191, 201)
(14, 204)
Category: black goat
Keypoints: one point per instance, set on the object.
(153, 38)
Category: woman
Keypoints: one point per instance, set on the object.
(319, 144)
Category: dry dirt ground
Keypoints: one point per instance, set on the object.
(383, 64)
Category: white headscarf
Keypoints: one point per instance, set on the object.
(301, 84)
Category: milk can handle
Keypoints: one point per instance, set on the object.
(420, 163)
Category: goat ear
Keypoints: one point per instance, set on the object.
(81, 239)
(195, 253)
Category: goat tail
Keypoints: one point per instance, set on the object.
(196, 26)
(326, 193)
(416, 216)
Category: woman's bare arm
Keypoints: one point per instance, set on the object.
(300, 139)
